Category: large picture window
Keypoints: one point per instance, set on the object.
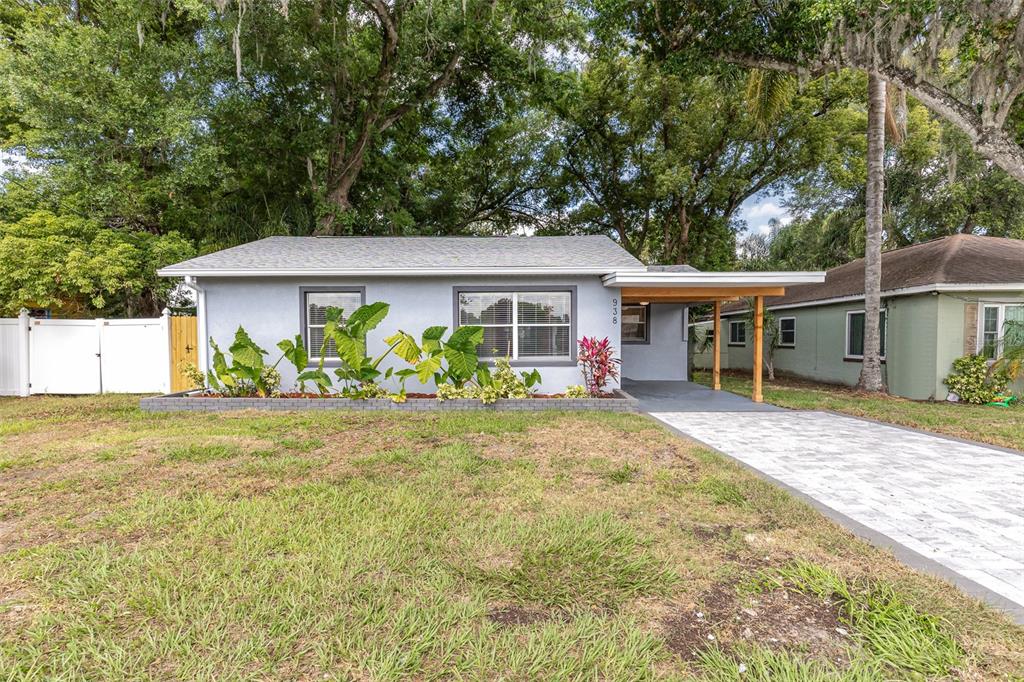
(520, 324)
(995, 319)
(636, 323)
(315, 305)
(855, 334)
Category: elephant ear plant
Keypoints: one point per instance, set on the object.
(295, 353)
(451, 361)
(247, 374)
(357, 372)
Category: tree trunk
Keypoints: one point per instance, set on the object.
(871, 369)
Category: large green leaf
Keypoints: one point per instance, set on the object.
(316, 376)
(405, 346)
(367, 317)
(245, 352)
(351, 350)
(295, 352)
(220, 366)
(426, 369)
(461, 364)
(432, 338)
(466, 338)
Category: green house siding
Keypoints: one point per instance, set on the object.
(925, 333)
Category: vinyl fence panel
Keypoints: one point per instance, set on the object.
(10, 356)
(64, 356)
(134, 356)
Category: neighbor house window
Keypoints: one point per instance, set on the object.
(993, 327)
(855, 334)
(315, 305)
(738, 333)
(520, 324)
(787, 332)
(636, 323)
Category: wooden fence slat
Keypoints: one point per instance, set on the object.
(184, 350)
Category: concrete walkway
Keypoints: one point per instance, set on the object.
(945, 506)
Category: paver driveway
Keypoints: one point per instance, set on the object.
(958, 504)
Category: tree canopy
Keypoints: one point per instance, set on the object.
(154, 130)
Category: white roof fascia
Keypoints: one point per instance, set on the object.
(381, 272)
(625, 278)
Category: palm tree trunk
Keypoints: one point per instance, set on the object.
(871, 369)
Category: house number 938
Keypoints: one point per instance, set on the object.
(615, 311)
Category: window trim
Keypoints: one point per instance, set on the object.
(304, 328)
(647, 325)
(846, 337)
(498, 289)
(1000, 323)
(787, 345)
(738, 344)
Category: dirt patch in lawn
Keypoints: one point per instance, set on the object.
(511, 616)
(777, 619)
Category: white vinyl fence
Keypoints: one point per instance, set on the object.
(84, 356)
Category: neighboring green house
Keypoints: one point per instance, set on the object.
(940, 300)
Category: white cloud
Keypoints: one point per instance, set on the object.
(758, 212)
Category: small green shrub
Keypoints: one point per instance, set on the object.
(576, 391)
(972, 381)
(191, 372)
(452, 392)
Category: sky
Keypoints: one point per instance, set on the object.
(759, 210)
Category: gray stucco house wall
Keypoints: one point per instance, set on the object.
(270, 310)
(925, 333)
(663, 357)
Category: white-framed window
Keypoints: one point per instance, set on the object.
(787, 332)
(636, 323)
(314, 309)
(855, 334)
(737, 333)
(520, 324)
(994, 319)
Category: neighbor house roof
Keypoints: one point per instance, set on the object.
(958, 262)
(281, 256)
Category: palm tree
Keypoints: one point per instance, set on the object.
(871, 367)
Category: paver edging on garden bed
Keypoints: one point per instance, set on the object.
(184, 402)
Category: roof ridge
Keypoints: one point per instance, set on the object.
(948, 254)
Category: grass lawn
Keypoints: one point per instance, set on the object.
(996, 425)
(435, 546)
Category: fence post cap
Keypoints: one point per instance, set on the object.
(166, 312)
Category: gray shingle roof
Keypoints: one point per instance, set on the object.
(342, 255)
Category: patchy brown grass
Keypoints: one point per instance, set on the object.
(374, 546)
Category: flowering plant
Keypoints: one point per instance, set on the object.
(597, 362)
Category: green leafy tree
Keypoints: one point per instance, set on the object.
(78, 266)
(663, 161)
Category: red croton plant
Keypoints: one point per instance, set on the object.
(598, 362)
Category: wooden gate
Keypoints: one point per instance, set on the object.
(184, 351)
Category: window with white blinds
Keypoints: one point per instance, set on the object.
(316, 304)
(526, 324)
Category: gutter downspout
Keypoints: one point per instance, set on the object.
(203, 349)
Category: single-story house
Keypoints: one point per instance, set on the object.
(534, 296)
(941, 299)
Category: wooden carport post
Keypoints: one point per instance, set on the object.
(758, 347)
(716, 339)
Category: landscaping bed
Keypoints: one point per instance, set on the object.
(196, 401)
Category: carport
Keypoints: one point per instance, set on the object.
(696, 288)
